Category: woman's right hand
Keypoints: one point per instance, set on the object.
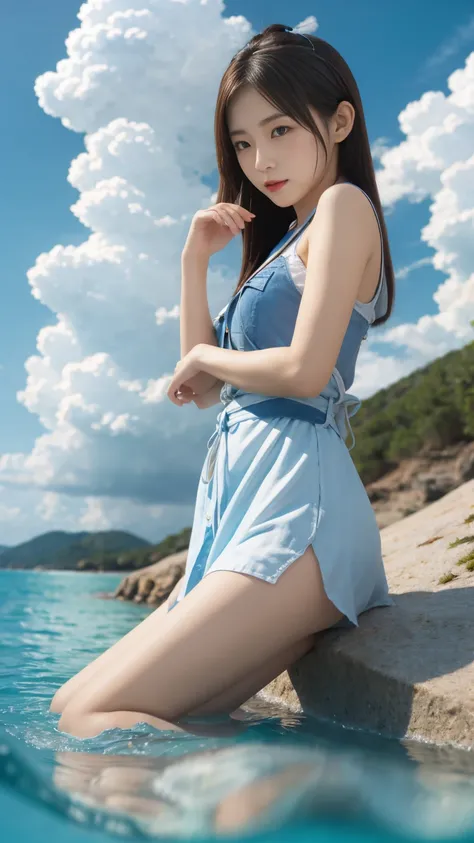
(213, 228)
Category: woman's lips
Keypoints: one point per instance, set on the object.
(277, 185)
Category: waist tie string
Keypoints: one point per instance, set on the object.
(222, 425)
(344, 410)
(337, 416)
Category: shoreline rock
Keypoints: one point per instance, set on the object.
(408, 670)
(154, 583)
(419, 481)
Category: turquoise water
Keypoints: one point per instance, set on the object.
(276, 776)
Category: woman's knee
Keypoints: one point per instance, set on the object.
(65, 693)
(58, 702)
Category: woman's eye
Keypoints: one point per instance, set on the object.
(281, 127)
(274, 130)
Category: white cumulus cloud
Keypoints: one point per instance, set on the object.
(435, 161)
(140, 81)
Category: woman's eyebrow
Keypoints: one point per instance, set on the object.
(262, 123)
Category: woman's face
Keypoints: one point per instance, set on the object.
(277, 149)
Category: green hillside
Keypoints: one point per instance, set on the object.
(61, 550)
(139, 557)
(428, 410)
(111, 550)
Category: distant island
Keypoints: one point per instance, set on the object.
(108, 550)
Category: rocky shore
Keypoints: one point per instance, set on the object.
(419, 481)
(154, 583)
(407, 670)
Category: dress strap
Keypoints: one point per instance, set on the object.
(284, 243)
(277, 250)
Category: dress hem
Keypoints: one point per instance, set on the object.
(347, 615)
(234, 557)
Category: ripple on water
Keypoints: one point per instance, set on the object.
(273, 771)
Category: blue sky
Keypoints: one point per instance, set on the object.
(397, 52)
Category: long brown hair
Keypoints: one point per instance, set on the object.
(283, 68)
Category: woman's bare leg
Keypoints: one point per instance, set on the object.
(228, 626)
(242, 691)
(125, 645)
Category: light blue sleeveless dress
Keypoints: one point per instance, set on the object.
(278, 475)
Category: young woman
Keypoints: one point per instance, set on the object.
(282, 520)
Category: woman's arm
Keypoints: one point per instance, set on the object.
(212, 396)
(195, 324)
(333, 278)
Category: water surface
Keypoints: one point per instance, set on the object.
(276, 775)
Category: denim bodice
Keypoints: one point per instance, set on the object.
(263, 313)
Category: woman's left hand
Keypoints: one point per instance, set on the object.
(185, 370)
